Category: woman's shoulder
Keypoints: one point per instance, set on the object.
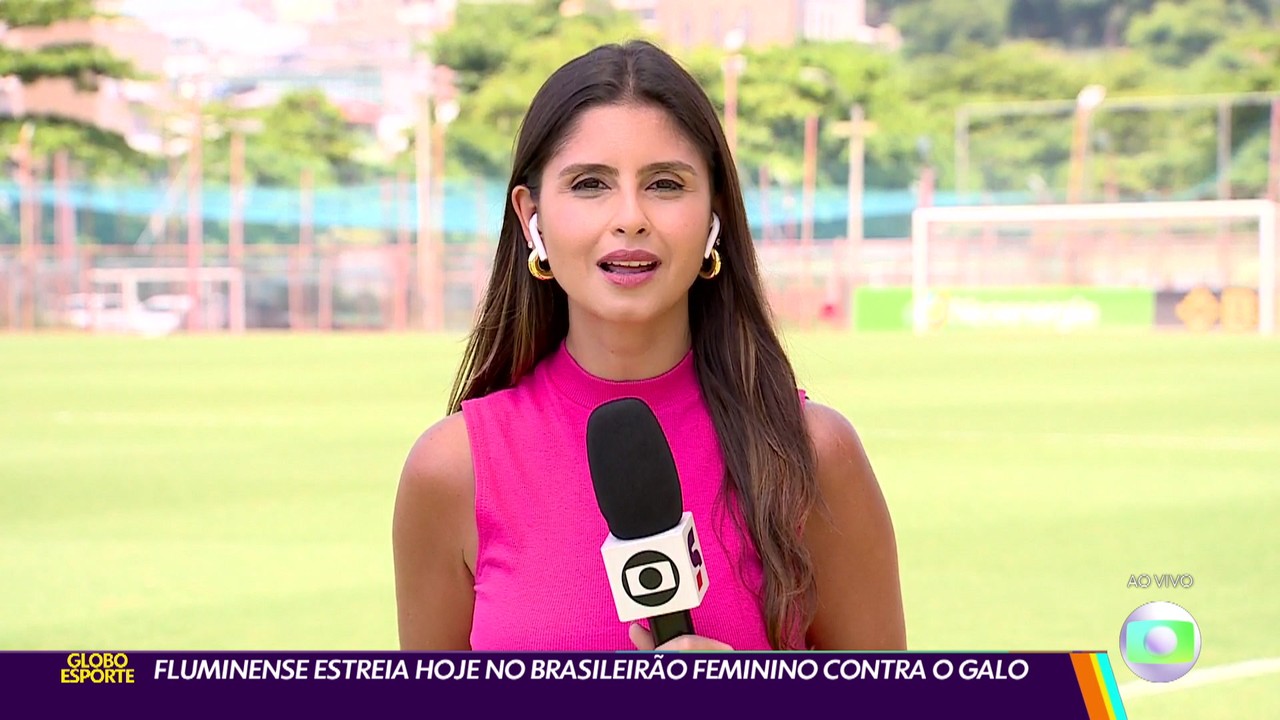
(852, 543)
(438, 466)
(838, 448)
(824, 420)
(434, 540)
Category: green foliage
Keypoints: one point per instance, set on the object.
(42, 13)
(1178, 33)
(95, 151)
(505, 53)
(1074, 23)
(1066, 23)
(944, 26)
(957, 52)
(303, 131)
(99, 153)
(82, 63)
(781, 87)
(1246, 61)
(477, 46)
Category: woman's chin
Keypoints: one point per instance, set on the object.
(629, 311)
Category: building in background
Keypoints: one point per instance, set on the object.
(362, 54)
(756, 23)
(842, 21)
(374, 32)
(294, 12)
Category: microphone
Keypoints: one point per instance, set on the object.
(652, 554)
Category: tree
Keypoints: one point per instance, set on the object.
(1074, 23)
(962, 53)
(100, 151)
(782, 86)
(502, 56)
(1178, 33)
(302, 131)
(1066, 23)
(946, 26)
(483, 38)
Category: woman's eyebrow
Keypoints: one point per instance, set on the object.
(602, 169)
(588, 169)
(669, 166)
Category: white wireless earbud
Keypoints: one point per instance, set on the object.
(715, 235)
(537, 239)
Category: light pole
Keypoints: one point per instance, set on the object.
(422, 168)
(27, 208)
(1087, 101)
(393, 134)
(962, 150)
(239, 129)
(1104, 144)
(732, 66)
(857, 129)
(195, 202)
(924, 150)
(445, 113)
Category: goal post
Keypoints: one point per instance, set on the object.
(166, 305)
(1147, 245)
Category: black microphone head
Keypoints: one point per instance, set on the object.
(632, 470)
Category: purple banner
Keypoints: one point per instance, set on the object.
(743, 684)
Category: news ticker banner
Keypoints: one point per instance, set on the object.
(1062, 309)
(1045, 685)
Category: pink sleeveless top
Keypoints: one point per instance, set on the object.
(539, 579)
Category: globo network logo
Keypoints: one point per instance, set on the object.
(650, 578)
(1160, 642)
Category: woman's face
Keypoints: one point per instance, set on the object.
(624, 213)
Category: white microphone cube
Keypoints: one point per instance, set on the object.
(656, 575)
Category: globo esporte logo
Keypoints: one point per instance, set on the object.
(695, 557)
(97, 668)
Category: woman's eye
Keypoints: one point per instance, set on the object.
(589, 184)
(667, 184)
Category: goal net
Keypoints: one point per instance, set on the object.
(158, 301)
(1198, 265)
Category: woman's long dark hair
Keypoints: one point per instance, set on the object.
(747, 380)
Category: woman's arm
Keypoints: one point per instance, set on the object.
(433, 535)
(855, 555)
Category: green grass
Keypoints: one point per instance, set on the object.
(216, 493)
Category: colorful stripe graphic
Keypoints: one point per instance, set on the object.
(1098, 686)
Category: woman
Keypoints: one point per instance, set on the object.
(626, 269)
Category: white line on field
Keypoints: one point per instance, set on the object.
(1161, 442)
(170, 419)
(1207, 676)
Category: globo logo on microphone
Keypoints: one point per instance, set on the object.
(655, 575)
(650, 578)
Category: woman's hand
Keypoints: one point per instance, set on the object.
(643, 640)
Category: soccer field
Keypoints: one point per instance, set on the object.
(236, 493)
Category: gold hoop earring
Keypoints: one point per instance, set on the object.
(706, 274)
(536, 269)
